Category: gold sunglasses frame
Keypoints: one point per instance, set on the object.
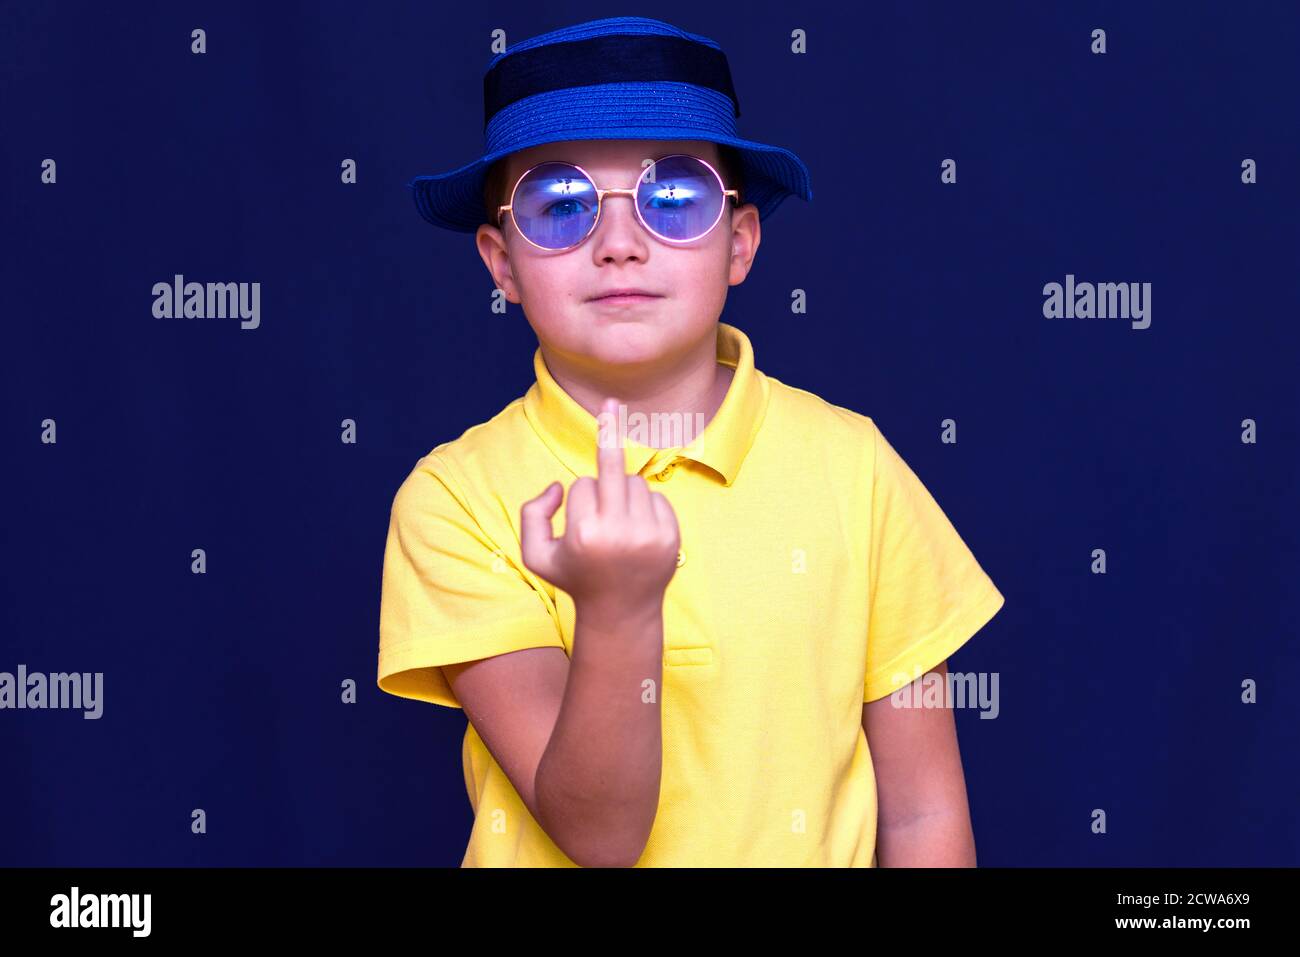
(731, 194)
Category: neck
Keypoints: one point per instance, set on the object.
(688, 383)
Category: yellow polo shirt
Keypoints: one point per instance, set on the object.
(816, 573)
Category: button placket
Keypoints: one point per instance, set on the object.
(663, 475)
(689, 644)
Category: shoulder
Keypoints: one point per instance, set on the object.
(803, 418)
(452, 470)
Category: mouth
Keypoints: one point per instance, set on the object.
(624, 297)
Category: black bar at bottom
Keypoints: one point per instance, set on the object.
(381, 906)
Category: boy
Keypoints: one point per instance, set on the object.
(689, 673)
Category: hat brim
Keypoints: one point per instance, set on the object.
(454, 200)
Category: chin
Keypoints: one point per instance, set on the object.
(627, 355)
(627, 342)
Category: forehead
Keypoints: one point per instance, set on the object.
(607, 156)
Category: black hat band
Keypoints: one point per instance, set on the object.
(608, 59)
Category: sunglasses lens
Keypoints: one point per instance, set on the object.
(554, 205)
(680, 198)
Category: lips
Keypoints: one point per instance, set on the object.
(627, 292)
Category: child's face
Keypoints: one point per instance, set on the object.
(556, 288)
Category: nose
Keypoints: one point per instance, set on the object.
(619, 204)
(619, 231)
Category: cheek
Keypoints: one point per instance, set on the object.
(551, 297)
(701, 278)
(541, 281)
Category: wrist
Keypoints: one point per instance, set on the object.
(618, 613)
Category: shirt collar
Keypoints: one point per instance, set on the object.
(569, 430)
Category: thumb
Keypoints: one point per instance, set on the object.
(537, 540)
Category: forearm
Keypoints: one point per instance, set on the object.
(597, 784)
(940, 839)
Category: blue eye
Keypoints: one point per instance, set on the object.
(565, 209)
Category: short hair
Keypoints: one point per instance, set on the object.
(730, 168)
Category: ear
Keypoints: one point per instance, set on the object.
(492, 249)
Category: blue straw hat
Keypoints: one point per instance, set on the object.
(628, 78)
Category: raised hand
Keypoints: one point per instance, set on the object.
(620, 542)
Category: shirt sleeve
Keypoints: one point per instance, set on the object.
(450, 593)
(928, 594)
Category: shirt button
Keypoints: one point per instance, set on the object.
(667, 472)
(681, 557)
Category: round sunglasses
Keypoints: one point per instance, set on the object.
(678, 198)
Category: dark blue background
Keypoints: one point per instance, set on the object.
(1119, 692)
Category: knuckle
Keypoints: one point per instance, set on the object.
(587, 532)
(580, 532)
